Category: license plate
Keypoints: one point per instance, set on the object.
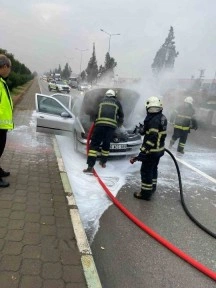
(118, 146)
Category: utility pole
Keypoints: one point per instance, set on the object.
(110, 35)
(81, 51)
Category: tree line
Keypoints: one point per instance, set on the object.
(164, 61)
(20, 74)
(93, 72)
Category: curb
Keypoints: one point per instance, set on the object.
(89, 268)
(17, 98)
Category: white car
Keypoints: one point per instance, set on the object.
(83, 86)
(59, 86)
(74, 115)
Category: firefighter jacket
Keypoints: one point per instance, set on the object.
(183, 118)
(155, 126)
(110, 113)
(6, 107)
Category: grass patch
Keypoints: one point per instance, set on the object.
(16, 91)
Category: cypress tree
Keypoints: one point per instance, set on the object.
(165, 57)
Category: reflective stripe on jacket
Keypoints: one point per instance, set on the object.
(6, 107)
(183, 117)
(155, 126)
(110, 113)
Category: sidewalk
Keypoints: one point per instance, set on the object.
(42, 240)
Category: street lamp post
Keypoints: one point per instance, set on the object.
(110, 35)
(81, 51)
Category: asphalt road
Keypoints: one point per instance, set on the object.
(127, 257)
(130, 257)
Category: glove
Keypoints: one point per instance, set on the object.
(133, 160)
(142, 156)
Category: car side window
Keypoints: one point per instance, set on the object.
(49, 105)
(63, 99)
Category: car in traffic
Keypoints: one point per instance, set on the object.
(59, 86)
(73, 82)
(73, 115)
(83, 86)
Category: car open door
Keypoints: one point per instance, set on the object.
(52, 116)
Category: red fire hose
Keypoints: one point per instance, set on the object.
(199, 266)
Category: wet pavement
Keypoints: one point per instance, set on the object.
(39, 247)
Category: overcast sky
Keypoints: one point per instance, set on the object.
(44, 34)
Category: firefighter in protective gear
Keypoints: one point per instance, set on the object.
(109, 116)
(154, 131)
(183, 119)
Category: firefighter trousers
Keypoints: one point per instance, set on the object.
(149, 173)
(182, 136)
(101, 137)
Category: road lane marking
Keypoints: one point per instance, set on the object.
(197, 170)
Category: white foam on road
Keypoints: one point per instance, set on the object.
(90, 197)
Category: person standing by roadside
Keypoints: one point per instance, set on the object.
(152, 149)
(6, 112)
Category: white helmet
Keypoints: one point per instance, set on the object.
(153, 102)
(110, 93)
(189, 100)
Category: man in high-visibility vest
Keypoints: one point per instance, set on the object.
(6, 112)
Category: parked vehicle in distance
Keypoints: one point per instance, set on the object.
(83, 86)
(57, 76)
(73, 115)
(73, 82)
(59, 86)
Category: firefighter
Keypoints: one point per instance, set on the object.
(109, 116)
(154, 131)
(183, 119)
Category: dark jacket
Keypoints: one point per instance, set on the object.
(155, 126)
(110, 113)
(184, 117)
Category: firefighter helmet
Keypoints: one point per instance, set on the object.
(110, 93)
(189, 100)
(153, 102)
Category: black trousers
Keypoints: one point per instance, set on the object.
(101, 136)
(3, 138)
(149, 173)
(182, 136)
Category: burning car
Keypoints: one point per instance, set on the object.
(74, 115)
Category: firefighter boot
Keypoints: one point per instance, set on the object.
(180, 150)
(102, 164)
(88, 170)
(143, 196)
(3, 184)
